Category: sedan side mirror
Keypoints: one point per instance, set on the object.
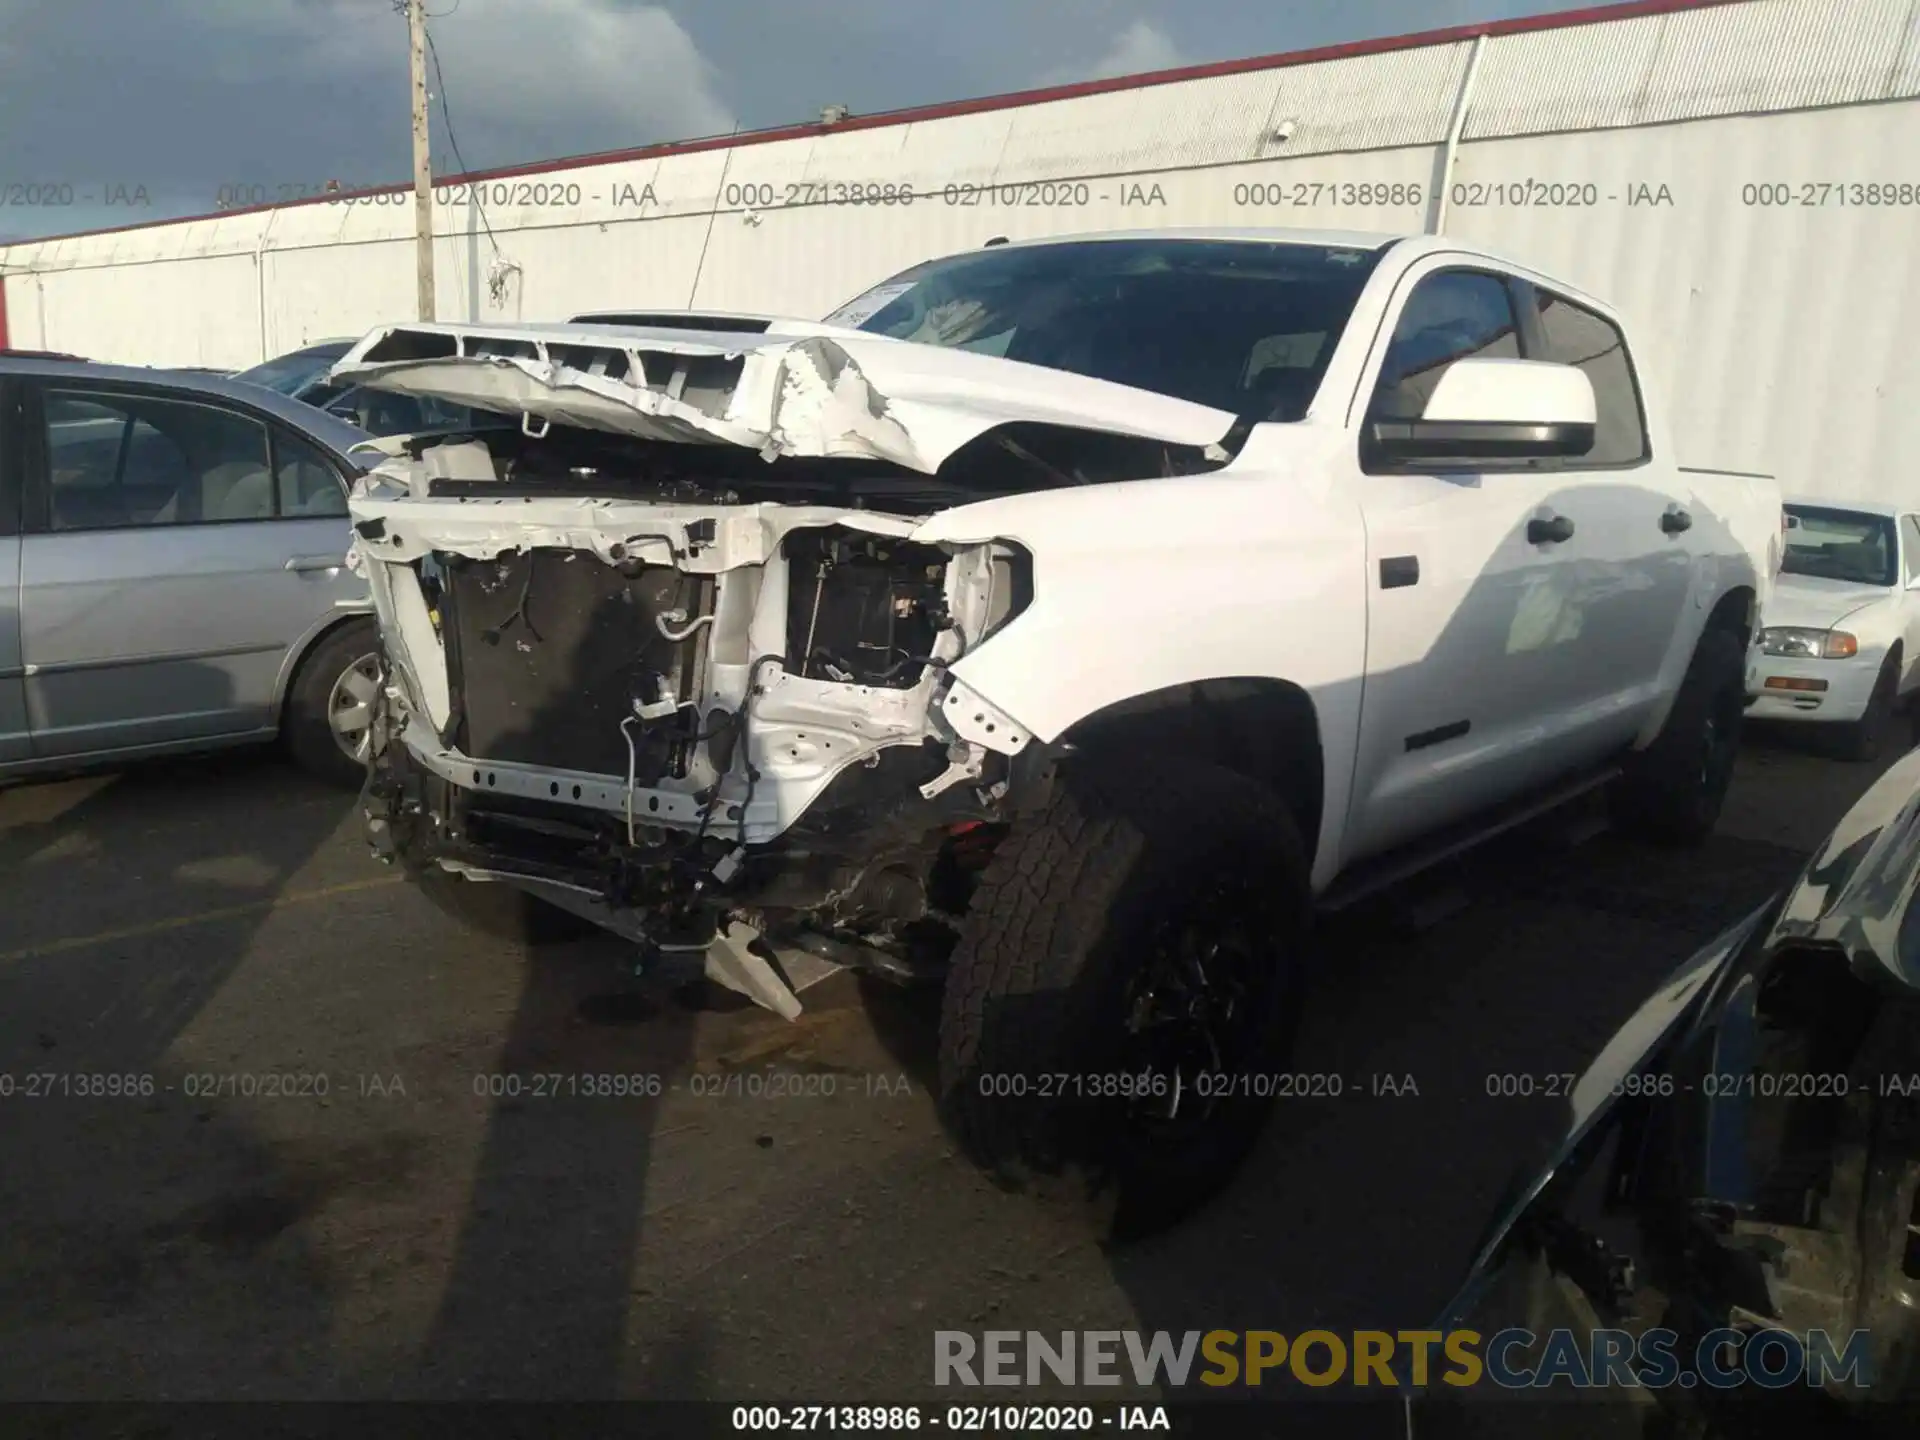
(1485, 409)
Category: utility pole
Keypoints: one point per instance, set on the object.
(422, 164)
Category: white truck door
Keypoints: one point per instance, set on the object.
(1466, 605)
(1631, 570)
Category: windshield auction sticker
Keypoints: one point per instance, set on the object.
(856, 313)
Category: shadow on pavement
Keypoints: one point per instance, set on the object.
(143, 1231)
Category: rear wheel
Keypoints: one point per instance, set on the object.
(1672, 791)
(1126, 987)
(329, 711)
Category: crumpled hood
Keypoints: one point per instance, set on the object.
(800, 388)
(1817, 604)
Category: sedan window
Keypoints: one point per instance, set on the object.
(115, 461)
(306, 485)
(1840, 545)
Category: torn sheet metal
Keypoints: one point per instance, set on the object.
(799, 389)
(773, 980)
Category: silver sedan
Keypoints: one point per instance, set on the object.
(173, 571)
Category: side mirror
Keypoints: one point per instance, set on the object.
(1495, 410)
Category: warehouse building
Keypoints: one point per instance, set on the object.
(1742, 177)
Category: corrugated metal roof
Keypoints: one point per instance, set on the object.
(1368, 103)
(1760, 56)
(1351, 93)
(1617, 66)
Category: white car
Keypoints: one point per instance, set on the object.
(1060, 621)
(1841, 645)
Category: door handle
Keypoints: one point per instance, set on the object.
(1553, 530)
(302, 564)
(1675, 520)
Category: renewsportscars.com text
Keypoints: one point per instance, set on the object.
(1511, 1359)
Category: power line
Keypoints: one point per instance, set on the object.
(453, 141)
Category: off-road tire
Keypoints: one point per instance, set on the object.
(304, 728)
(1672, 791)
(1037, 985)
(1872, 735)
(499, 910)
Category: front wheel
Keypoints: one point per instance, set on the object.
(1124, 994)
(1672, 791)
(1873, 734)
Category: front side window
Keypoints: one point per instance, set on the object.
(1847, 545)
(118, 461)
(1242, 327)
(1451, 315)
(1576, 336)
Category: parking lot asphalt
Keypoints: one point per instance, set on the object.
(353, 1150)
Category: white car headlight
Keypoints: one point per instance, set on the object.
(1800, 643)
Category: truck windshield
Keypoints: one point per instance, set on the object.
(1245, 327)
(1840, 545)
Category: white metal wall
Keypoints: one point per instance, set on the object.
(1777, 332)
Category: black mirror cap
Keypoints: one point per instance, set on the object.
(1406, 441)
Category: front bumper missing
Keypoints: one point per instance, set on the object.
(693, 723)
(738, 957)
(688, 892)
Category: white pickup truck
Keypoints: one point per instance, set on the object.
(1063, 621)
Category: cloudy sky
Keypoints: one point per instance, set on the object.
(105, 99)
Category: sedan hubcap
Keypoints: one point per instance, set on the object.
(350, 706)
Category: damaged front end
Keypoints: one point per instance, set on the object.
(670, 655)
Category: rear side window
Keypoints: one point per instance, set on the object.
(305, 484)
(1451, 315)
(1575, 335)
(1910, 542)
(120, 461)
